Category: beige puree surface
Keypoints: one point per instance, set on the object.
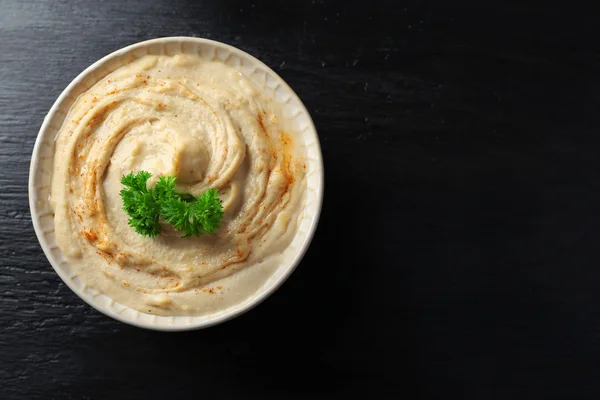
(207, 124)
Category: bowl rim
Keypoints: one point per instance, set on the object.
(253, 300)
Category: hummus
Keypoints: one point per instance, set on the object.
(208, 125)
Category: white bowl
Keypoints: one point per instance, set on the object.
(263, 77)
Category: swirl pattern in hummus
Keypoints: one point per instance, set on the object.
(207, 124)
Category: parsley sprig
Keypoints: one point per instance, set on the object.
(190, 215)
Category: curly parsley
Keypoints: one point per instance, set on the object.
(190, 215)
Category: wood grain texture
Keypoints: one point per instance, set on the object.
(457, 253)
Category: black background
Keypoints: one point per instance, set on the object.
(457, 254)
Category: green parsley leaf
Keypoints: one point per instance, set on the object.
(208, 210)
(165, 188)
(190, 215)
(196, 218)
(140, 205)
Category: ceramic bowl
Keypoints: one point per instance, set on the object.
(41, 168)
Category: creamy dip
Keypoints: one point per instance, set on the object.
(207, 124)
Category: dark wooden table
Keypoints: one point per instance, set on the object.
(458, 254)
